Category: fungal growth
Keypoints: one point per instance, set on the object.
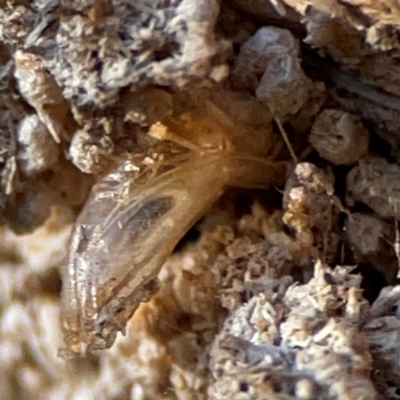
(142, 206)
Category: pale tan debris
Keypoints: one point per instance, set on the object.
(42, 92)
(92, 145)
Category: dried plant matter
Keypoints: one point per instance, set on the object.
(310, 212)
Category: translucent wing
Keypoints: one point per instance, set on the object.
(126, 232)
(120, 241)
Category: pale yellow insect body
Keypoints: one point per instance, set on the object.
(133, 219)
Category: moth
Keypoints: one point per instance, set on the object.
(133, 219)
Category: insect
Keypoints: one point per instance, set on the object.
(134, 217)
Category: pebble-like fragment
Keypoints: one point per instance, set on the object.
(69, 183)
(256, 53)
(269, 64)
(303, 120)
(284, 87)
(375, 183)
(31, 209)
(372, 240)
(339, 137)
(37, 150)
(365, 232)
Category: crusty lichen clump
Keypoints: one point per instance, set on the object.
(99, 47)
(301, 340)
